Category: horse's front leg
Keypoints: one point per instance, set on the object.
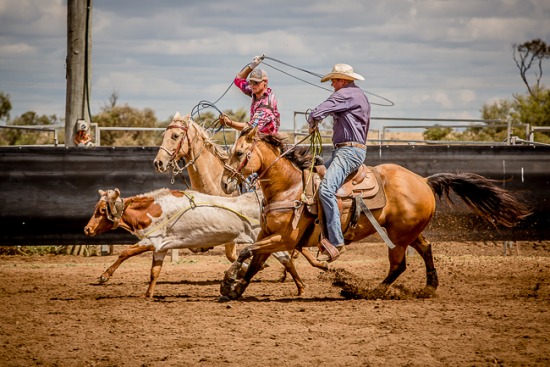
(256, 264)
(232, 274)
(124, 255)
(231, 251)
(231, 288)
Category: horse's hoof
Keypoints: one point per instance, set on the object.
(225, 288)
(223, 299)
(103, 280)
(233, 295)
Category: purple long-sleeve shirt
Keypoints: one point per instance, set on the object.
(350, 110)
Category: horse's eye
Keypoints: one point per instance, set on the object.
(239, 154)
(175, 136)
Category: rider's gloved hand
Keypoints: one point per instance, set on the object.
(313, 126)
(256, 61)
(225, 120)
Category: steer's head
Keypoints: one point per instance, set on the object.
(107, 213)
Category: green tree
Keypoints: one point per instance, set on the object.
(29, 137)
(527, 54)
(126, 116)
(5, 106)
(522, 109)
(438, 133)
(533, 109)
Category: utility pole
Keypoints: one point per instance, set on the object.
(79, 68)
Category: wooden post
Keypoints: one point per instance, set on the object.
(79, 45)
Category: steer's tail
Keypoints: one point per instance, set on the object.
(482, 195)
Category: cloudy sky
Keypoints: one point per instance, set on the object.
(430, 58)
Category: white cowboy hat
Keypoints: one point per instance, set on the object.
(342, 71)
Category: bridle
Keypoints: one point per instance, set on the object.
(176, 169)
(236, 172)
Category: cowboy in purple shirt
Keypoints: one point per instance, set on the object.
(350, 110)
(263, 110)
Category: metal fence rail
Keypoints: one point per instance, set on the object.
(296, 132)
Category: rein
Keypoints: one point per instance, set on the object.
(282, 155)
(237, 172)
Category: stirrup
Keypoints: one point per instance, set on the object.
(325, 247)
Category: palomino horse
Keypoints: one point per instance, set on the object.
(410, 205)
(170, 219)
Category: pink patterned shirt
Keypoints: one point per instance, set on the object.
(263, 111)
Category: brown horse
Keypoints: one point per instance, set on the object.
(409, 208)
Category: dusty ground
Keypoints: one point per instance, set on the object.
(490, 310)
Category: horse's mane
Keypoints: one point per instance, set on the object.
(299, 155)
(208, 143)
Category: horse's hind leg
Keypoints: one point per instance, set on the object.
(124, 255)
(425, 250)
(398, 264)
(312, 260)
(287, 262)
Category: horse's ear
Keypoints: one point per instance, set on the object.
(177, 115)
(187, 117)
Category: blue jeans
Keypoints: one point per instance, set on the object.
(344, 161)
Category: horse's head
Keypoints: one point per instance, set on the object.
(107, 213)
(245, 159)
(175, 142)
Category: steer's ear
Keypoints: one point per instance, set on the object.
(117, 192)
(101, 193)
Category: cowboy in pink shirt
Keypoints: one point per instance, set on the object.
(263, 109)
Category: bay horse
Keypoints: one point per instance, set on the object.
(410, 206)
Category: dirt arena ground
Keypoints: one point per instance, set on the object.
(490, 310)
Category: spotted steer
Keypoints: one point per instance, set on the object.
(169, 219)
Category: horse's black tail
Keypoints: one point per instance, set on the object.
(482, 195)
